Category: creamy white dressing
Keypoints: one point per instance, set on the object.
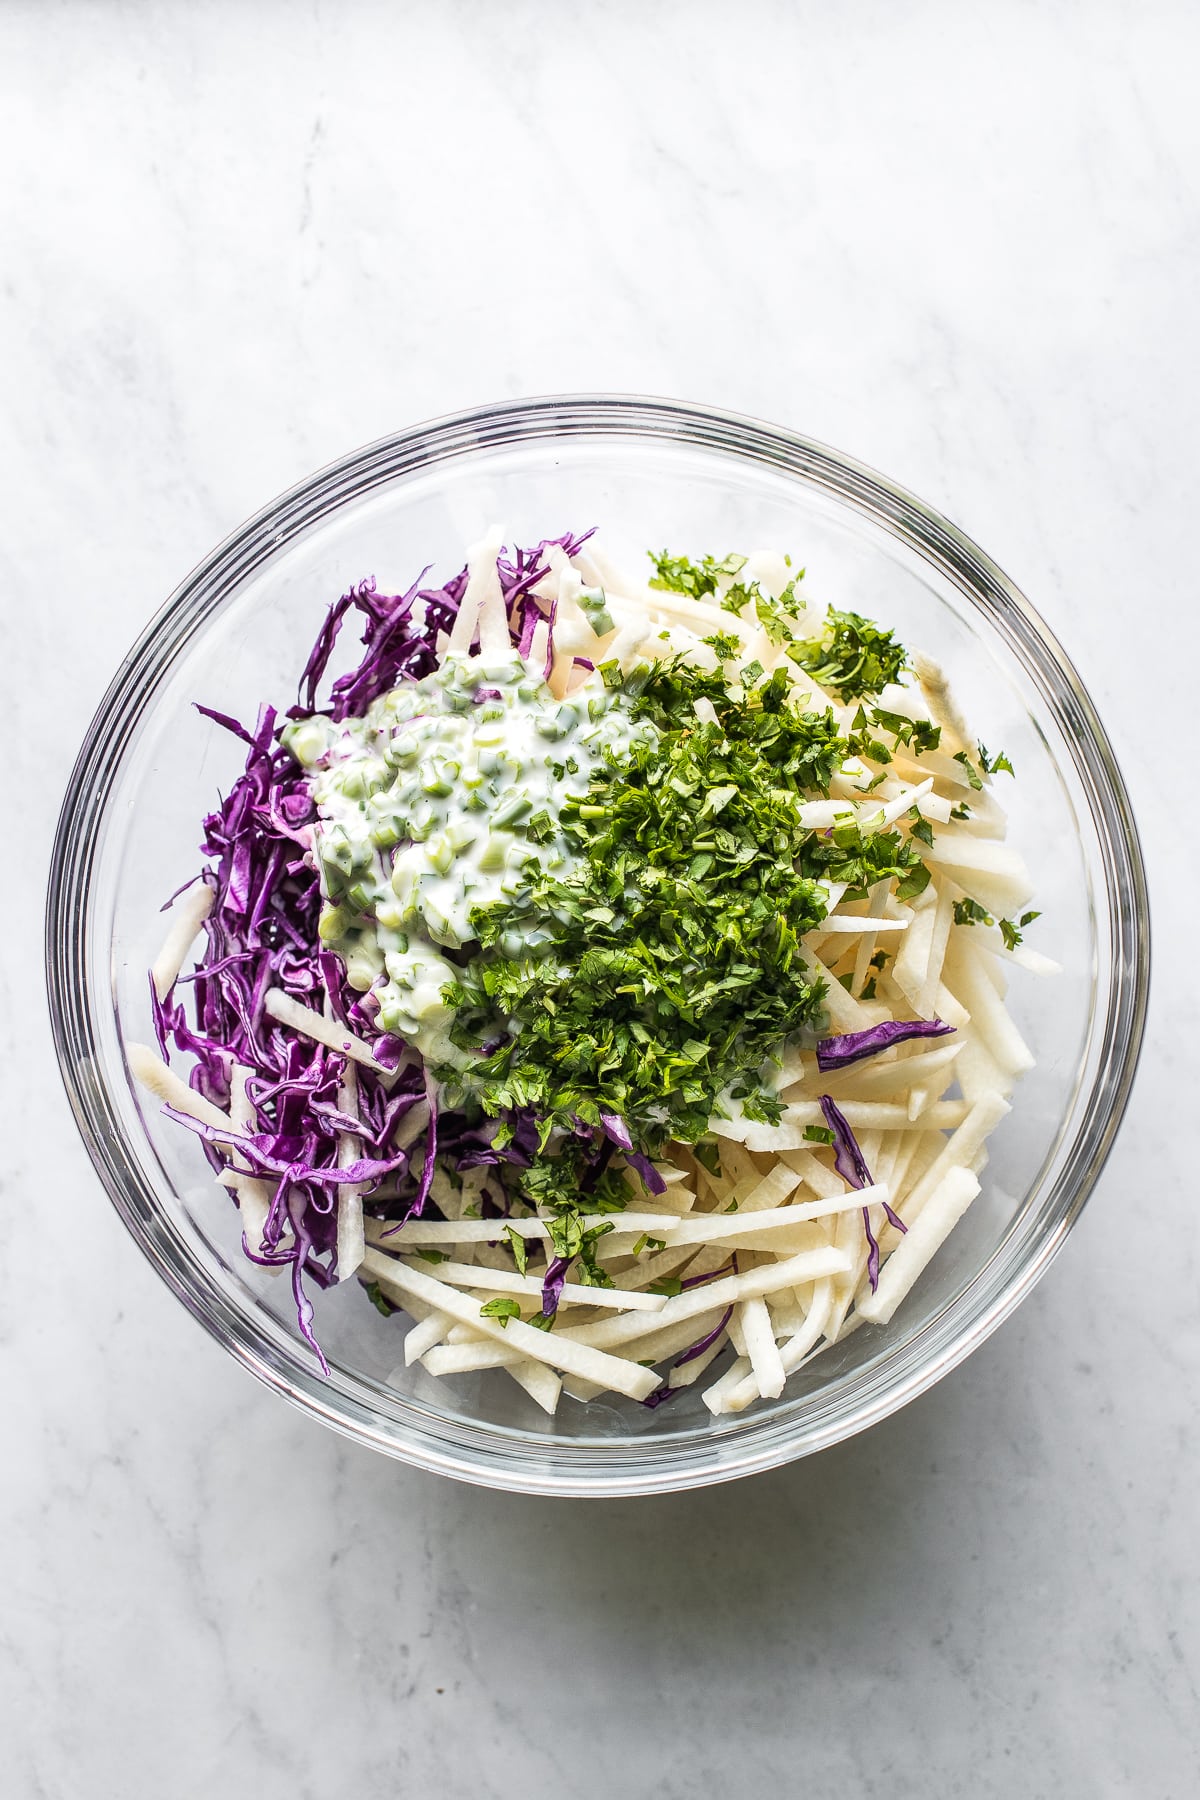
(445, 796)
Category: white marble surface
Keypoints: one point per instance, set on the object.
(963, 243)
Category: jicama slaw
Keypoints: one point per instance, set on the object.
(609, 975)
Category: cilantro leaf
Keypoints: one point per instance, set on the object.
(1012, 934)
(853, 656)
(676, 575)
(519, 1248)
(379, 1300)
(995, 765)
(920, 734)
(708, 1155)
(502, 1309)
(648, 1243)
(739, 596)
(969, 912)
(724, 645)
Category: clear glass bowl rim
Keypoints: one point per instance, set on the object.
(480, 1454)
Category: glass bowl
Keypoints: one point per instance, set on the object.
(648, 473)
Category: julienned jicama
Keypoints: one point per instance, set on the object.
(610, 976)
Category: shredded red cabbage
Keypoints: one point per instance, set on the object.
(851, 1165)
(852, 1046)
(641, 1165)
(704, 1343)
(616, 1130)
(261, 933)
(183, 887)
(715, 1275)
(552, 1285)
(666, 1391)
(848, 1159)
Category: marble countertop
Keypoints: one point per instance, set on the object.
(963, 244)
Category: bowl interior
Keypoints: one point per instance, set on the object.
(238, 634)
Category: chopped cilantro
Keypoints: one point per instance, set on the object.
(677, 575)
(671, 965)
(996, 765)
(922, 829)
(589, 1272)
(1012, 933)
(853, 656)
(738, 597)
(702, 580)
(670, 1285)
(920, 734)
(870, 749)
(708, 1156)
(519, 1248)
(724, 645)
(778, 615)
(852, 853)
(818, 1134)
(379, 1300)
(973, 775)
(969, 912)
(665, 968)
(960, 812)
(502, 1309)
(913, 883)
(434, 1256)
(648, 1243)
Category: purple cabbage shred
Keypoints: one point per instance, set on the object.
(552, 1285)
(616, 1130)
(642, 1166)
(851, 1165)
(840, 1052)
(666, 1391)
(261, 933)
